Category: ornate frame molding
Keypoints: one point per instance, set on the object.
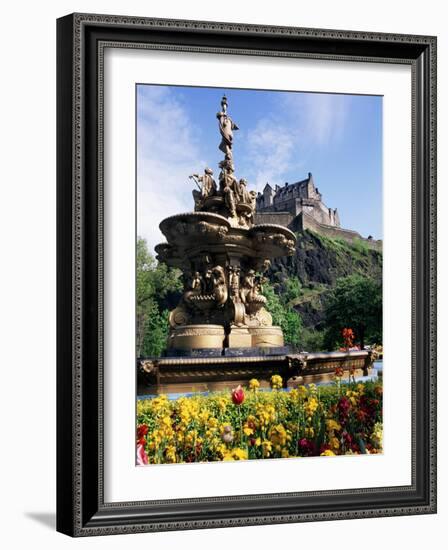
(81, 42)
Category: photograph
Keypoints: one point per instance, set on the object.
(259, 274)
(246, 273)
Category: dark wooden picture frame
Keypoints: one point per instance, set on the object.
(81, 510)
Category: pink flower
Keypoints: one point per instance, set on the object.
(238, 395)
(142, 457)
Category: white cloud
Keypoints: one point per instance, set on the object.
(167, 153)
(271, 148)
(320, 117)
(280, 142)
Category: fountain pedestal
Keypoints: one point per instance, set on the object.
(222, 261)
(239, 337)
(190, 337)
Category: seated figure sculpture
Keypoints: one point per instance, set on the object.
(207, 187)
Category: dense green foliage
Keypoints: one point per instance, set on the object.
(283, 314)
(355, 302)
(312, 340)
(154, 283)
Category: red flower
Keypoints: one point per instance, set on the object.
(307, 447)
(343, 407)
(348, 440)
(361, 415)
(339, 372)
(142, 430)
(238, 395)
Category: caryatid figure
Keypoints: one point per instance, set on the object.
(226, 127)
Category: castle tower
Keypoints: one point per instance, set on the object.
(268, 195)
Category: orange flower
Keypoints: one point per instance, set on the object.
(348, 336)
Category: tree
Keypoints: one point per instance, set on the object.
(356, 302)
(154, 281)
(312, 340)
(291, 290)
(283, 314)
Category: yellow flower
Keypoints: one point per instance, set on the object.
(265, 414)
(267, 447)
(240, 454)
(294, 394)
(171, 453)
(332, 425)
(213, 422)
(166, 420)
(352, 395)
(327, 453)
(254, 384)
(250, 426)
(334, 442)
(311, 406)
(276, 382)
(228, 456)
(377, 436)
(235, 454)
(278, 435)
(222, 404)
(309, 432)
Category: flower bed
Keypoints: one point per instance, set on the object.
(251, 424)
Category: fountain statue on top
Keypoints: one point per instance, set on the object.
(232, 199)
(223, 256)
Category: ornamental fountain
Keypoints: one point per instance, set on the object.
(221, 332)
(222, 256)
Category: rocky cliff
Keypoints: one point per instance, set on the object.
(319, 261)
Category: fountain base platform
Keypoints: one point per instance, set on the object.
(198, 373)
(213, 337)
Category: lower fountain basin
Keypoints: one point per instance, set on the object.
(194, 374)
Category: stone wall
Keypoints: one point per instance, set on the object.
(277, 218)
(305, 221)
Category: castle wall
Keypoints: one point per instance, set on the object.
(276, 218)
(305, 221)
(299, 206)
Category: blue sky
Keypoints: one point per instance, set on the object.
(282, 137)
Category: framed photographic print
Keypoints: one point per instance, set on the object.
(246, 274)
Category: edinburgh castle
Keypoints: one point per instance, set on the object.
(299, 206)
